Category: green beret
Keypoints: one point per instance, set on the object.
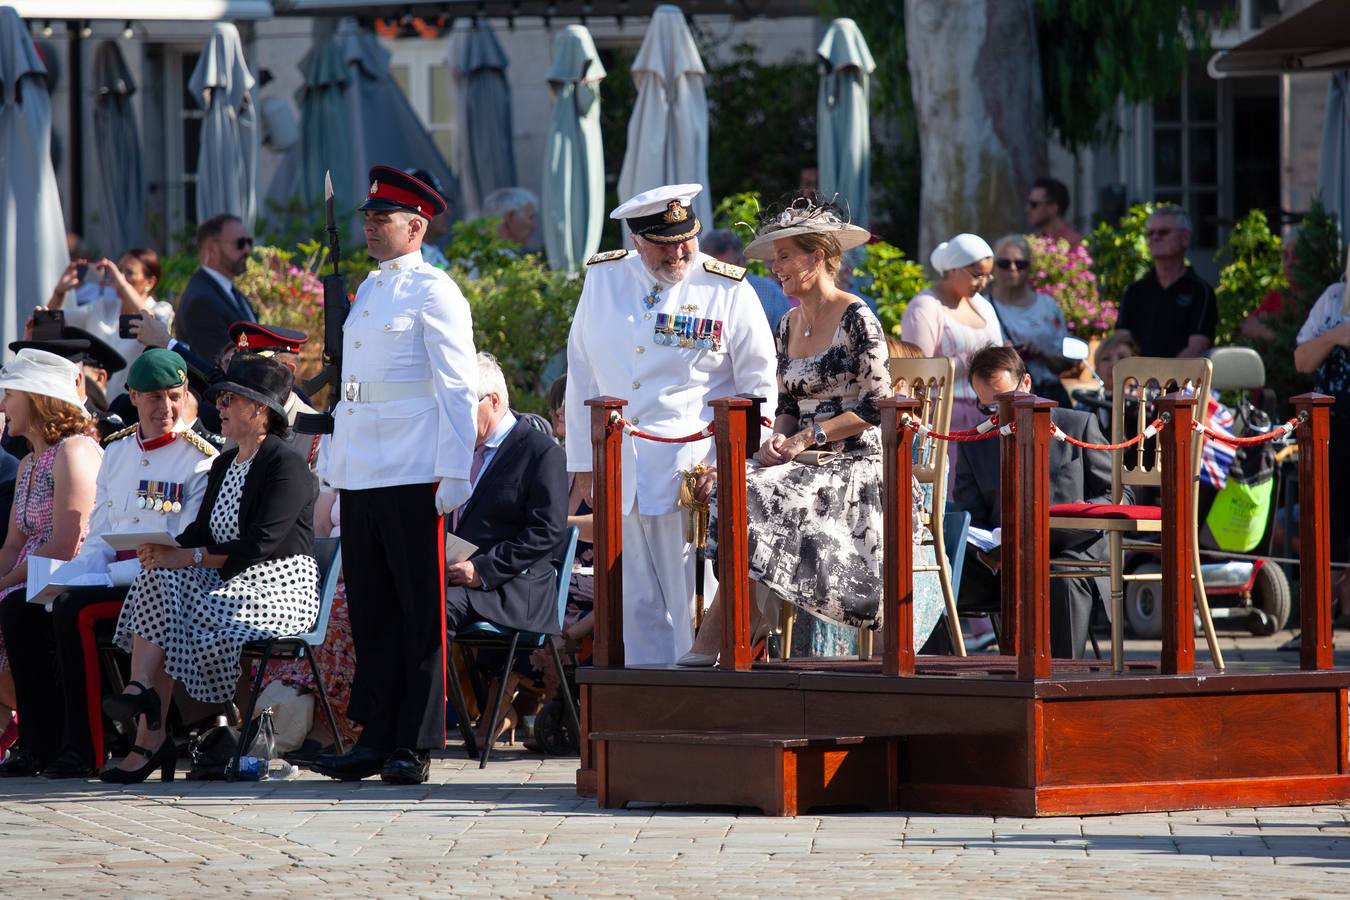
(156, 369)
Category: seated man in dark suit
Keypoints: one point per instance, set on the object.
(1076, 476)
(516, 516)
(211, 303)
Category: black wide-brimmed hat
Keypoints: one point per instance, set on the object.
(392, 188)
(257, 378)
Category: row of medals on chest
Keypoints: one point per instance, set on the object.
(160, 496)
(685, 331)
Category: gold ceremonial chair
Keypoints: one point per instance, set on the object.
(1140, 466)
(930, 382)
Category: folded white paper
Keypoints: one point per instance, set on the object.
(130, 540)
(40, 570)
(457, 550)
(984, 539)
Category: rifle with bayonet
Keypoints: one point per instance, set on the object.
(335, 309)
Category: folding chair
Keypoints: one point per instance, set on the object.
(489, 634)
(328, 554)
(1137, 381)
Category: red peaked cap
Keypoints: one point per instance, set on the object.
(254, 337)
(392, 188)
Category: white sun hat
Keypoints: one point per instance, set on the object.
(805, 218)
(39, 372)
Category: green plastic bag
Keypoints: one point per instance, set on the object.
(1237, 520)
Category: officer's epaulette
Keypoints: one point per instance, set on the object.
(201, 443)
(725, 269)
(118, 435)
(607, 256)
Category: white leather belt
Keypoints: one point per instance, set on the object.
(384, 391)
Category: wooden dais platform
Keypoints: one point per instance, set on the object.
(1014, 735)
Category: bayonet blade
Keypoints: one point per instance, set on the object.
(328, 198)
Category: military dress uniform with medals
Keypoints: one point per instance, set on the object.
(668, 350)
(405, 424)
(143, 485)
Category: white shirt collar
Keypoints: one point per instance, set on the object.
(494, 440)
(406, 261)
(225, 284)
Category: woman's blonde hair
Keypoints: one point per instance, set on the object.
(1116, 339)
(57, 419)
(900, 349)
(825, 243)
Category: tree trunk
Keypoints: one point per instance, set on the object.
(977, 97)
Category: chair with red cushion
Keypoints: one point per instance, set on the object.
(1137, 467)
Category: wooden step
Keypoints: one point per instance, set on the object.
(778, 774)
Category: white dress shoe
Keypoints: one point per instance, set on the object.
(692, 660)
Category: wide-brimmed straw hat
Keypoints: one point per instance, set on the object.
(40, 372)
(805, 217)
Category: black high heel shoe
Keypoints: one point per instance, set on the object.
(165, 759)
(126, 707)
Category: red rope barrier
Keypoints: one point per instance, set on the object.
(982, 432)
(706, 432)
(1253, 441)
(1148, 432)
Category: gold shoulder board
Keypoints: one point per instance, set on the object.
(607, 256)
(118, 435)
(196, 440)
(727, 270)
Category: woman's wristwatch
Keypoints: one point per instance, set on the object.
(196, 556)
(819, 433)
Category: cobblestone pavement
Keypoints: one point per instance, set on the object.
(519, 829)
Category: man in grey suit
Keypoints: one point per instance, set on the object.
(211, 303)
(1076, 476)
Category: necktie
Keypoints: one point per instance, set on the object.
(479, 454)
(245, 311)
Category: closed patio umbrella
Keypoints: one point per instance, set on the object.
(227, 165)
(485, 158)
(668, 132)
(32, 228)
(1333, 178)
(324, 127)
(122, 189)
(572, 212)
(843, 129)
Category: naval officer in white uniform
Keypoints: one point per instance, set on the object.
(152, 479)
(399, 456)
(667, 328)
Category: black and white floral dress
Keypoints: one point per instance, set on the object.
(202, 622)
(815, 531)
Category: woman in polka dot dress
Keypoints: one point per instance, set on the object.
(243, 571)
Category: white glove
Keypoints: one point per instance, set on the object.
(451, 493)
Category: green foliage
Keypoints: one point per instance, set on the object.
(886, 275)
(522, 310)
(740, 213)
(1092, 54)
(1251, 269)
(1120, 252)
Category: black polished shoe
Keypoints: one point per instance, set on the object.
(164, 758)
(20, 764)
(307, 753)
(126, 707)
(69, 764)
(407, 767)
(357, 763)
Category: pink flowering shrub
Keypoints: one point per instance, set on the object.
(1064, 272)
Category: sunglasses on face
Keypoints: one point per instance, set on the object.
(1018, 264)
(1157, 233)
(243, 243)
(1036, 204)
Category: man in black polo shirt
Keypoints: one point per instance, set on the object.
(1171, 311)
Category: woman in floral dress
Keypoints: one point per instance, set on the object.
(815, 530)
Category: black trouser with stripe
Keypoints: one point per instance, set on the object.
(52, 658)
(393, 561)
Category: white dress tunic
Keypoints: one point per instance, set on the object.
(201, 622)
(668, 352)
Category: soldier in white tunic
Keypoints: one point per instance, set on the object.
(399, 455)
(152, 479)
(668, 329)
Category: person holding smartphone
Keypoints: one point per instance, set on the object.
(122, 293)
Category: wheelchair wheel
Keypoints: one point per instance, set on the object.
(1143, 604)
(553, 730)
(1270, 594)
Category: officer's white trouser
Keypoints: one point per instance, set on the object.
(658, 589)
